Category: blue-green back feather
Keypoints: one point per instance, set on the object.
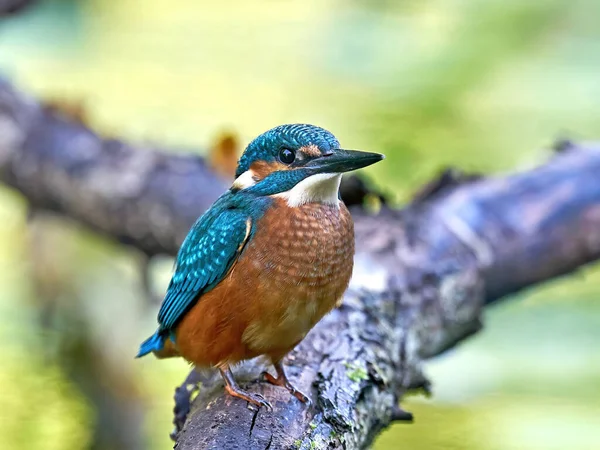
(206, 256)
(208, 252)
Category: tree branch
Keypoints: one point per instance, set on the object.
(422, 274)
(137, 194)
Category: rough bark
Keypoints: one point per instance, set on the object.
(422, 277)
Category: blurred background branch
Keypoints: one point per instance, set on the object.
(13, 6)
(140, 196)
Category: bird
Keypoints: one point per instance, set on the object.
(266, 261)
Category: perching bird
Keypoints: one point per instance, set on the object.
(266, 262)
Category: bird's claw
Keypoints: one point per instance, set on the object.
(251, 397)
(266, 376)
(259, 400)
(300, 396)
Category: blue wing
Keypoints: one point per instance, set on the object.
(205, 257)
(207, 254)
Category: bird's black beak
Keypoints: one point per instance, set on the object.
(340, 161)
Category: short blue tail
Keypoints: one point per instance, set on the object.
(154, 343)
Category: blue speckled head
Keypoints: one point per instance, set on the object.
(278, 160)
(266, 147)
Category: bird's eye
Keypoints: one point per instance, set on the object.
(287, 156)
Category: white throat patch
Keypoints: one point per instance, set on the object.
(320, 188)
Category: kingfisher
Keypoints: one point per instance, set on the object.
(266, 262)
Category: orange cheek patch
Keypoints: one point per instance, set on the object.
(310, 150)
(260, 169)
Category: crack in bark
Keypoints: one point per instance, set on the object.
(269, 443)
(253, 422)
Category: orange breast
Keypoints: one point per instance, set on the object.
(291, 273)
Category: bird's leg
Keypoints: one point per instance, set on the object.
(234, 390)
(283, 381)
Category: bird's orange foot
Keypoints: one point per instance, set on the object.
(251, 397)
(285, 384)
(283, 381)
(234, 390)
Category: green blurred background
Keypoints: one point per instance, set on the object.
(485, 85)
